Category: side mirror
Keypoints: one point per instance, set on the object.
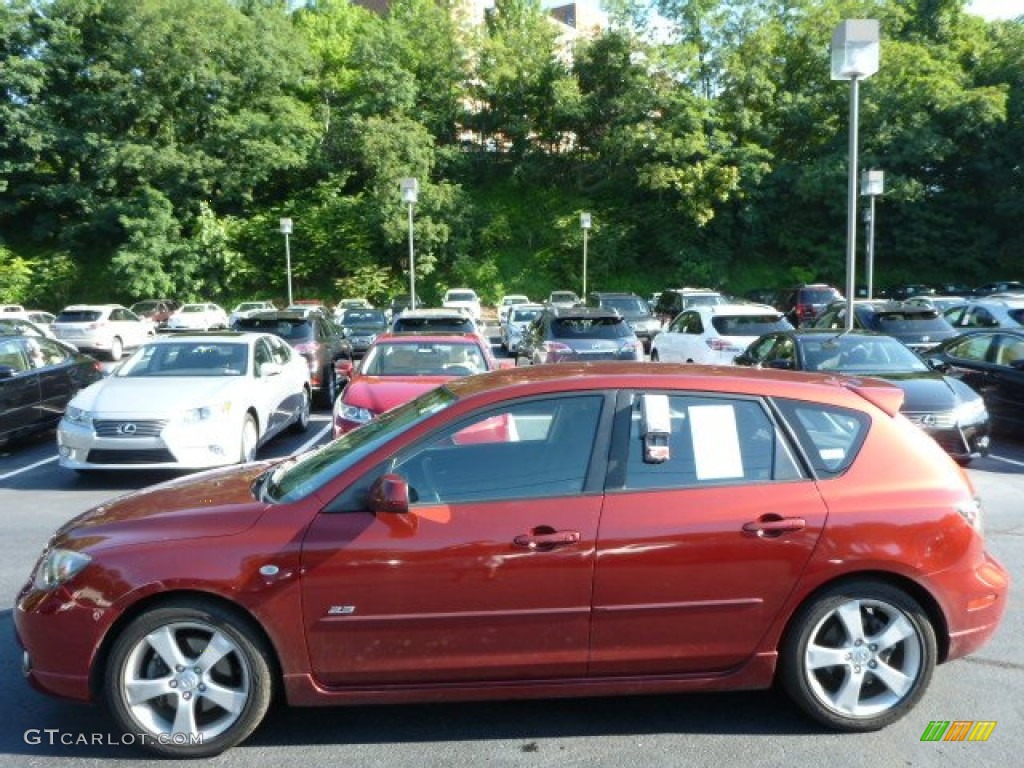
(389, 494)
(937, 364)
(344, 368)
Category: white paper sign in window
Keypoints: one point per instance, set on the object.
(716, 443)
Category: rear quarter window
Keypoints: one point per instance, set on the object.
(830, 436)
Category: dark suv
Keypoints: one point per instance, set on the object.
(578, 334)
(918, 327)
(157, 310)
(805, 302)
(634, 309)
(674, 300)
(313, 335)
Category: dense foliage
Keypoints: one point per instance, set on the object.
(149, 147)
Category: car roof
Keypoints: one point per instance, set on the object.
(734, 309)
(434, 312)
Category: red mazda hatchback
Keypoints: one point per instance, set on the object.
(558, 530)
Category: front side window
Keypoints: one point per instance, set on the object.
(531, 449)
(972, 348)
(712, 441)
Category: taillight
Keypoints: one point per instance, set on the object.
(805, 310)
(719, 345)
(557, 348)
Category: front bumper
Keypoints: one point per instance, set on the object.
(174, 446)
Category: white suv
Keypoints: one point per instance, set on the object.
(106, 328)
(716, 333)
(464, 299)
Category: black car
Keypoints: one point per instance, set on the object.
(635, 309)
(919, 327)
(672, 301)
(991, 362)
(943, 406)
(315, 336)
(578, 334)
(38, 376)
(361, 327)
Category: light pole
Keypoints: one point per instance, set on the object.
(410, 191)
(872, 184)
(855, 54)
(585, 226)
(286, 229)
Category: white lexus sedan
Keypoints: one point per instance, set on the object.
(187, 402)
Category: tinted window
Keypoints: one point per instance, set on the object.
(817, 295)
(186, 359)
(713, 441)
(79, 316)
(524, 315)
(626, 305)
(900, 322)
(533, 449)
(289, 328)
(461, 296)
(748, 325)
(363, 317)
(461, 324)
(589, 328)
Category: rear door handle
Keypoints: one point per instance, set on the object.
(775, 525)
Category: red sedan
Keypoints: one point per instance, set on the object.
(608, 528)
(401, 366)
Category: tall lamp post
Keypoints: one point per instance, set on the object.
(872, 184)
(855, 54)
(410, 191)
(286, 229)
(585, 226)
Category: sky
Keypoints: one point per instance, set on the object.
(998, 9)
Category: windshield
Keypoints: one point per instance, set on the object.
(364, 317)
(313, 470)
(627, 305)
(423, 359)
(79, 316)
(853, 353)
(194, 308)
(524, 315)
(563, 296)
(186, 359)
(144, 306)
(589, 328)
(288, 328)
(461, 324)
(461, 296)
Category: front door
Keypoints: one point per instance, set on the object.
(487, 578)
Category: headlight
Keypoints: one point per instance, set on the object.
(970, 412)
(207, 413)
(354, 413)
(78, 416)
(57, 566)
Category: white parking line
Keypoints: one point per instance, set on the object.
(301, 449)
(1008, 461)
(29, 468)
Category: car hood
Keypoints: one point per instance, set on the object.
(382, 393)
(218, 502)
(157, 397)
(928, 391)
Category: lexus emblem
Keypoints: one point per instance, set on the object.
(928, 420)
(127, 429)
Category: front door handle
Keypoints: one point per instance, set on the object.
(772, 525)
(545, 538)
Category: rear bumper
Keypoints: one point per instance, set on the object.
(981, 600)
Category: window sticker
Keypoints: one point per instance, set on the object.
(716, 443)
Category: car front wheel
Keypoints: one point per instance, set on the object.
(116, 349)
(859, 656)
(188, 680)
(301, 422)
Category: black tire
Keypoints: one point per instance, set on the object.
(850, 681)
(329, 390)
(182, 632)
(654, 356)
(301, 424)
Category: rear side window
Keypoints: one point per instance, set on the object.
(830, 436)
(713, 441)
(899, 322)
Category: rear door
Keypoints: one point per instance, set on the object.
(697, 554)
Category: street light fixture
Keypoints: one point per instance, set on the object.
(286, 229)
(872, 184)
(410, 192)
(855, 55)
(585, 226)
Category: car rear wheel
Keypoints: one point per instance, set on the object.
(859, 656)
(250, 438)
(188, 680)
(116, 349)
